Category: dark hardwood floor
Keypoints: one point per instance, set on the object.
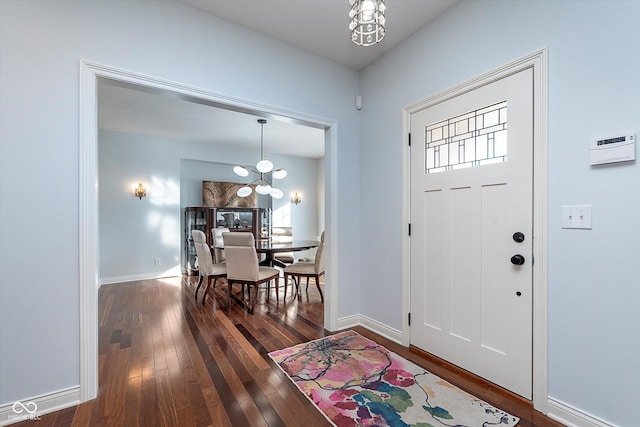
(165, 360)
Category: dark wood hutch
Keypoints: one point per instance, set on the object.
(254, 220)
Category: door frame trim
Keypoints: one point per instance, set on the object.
(538, 61)
(88, 239)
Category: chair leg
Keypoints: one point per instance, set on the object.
(215, 279)
(268, 290)
(277, 287)
(229, 284)
(296, 280)
(198, 287)
(307, 283)
(253, 300)
(286, 285)
(318, 286)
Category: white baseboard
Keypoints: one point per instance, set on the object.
(573, 417)
(348, 322)
(373, 325)
(134, 277)
(39, 405)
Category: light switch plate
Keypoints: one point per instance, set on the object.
(578, 216)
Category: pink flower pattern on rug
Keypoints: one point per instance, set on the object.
(356, 382)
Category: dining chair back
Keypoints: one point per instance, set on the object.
(318, 263)
(206, 268)
(306, 269)
(217, 241)
(242, 256)
(243, 267)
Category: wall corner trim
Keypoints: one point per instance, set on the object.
(372, 325)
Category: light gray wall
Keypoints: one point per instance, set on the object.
(593, 90)
(41, 44)
(133, 233)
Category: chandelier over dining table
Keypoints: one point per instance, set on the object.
(263, 167)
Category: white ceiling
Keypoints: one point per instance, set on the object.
(321, 26)
(318, 26)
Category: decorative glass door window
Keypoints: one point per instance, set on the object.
(472, 139)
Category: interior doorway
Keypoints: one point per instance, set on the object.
(88, 195)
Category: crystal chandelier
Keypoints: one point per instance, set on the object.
(262, 167)
(367, 21)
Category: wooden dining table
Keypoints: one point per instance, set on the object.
(270, 248)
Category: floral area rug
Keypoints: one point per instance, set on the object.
(356, 382)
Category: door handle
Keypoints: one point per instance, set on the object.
(517, 259)
(518, 237)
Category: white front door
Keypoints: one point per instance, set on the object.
(472, 231)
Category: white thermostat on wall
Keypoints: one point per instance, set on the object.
(613, 149)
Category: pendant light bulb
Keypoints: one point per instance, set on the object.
(264, 166)
(279, 173)
(276, 193)
(263, 189)
(244, 191)
(241, 171)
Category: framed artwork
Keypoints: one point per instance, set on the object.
(220, 194)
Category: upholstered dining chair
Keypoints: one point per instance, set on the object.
(206, 268)
(217, 241)
(306, 269)
(243, 267)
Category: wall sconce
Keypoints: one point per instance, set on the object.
(296, 198)
(140, 191)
